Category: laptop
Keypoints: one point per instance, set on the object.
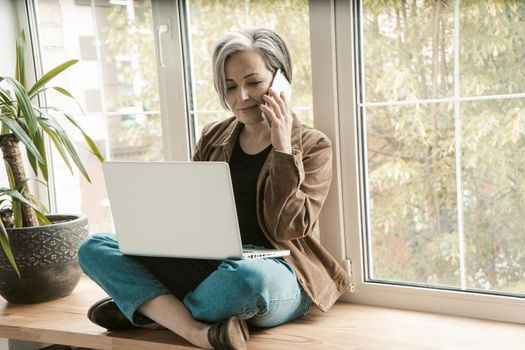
(177, 209)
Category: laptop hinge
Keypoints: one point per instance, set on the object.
(347, 265)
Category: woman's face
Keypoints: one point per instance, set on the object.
(247, 80)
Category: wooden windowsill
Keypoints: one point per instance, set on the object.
(346, 326)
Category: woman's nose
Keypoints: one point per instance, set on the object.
(244, 93)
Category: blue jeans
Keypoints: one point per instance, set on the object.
(264, 292)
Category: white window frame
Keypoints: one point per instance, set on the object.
(335, 109)
(169, 41)
(26, 22)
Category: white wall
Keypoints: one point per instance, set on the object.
(9, 30)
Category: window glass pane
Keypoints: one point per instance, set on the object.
(412, 197)
(61, 25)
(408, 49)
(114, 44)
(492, 47)
(115, 81)
(135, 137)
(210, 20)
(127, 50)
(445, 182)
(493, 154)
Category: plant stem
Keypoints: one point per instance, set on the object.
(10, 146)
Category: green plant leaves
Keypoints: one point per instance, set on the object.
(4, 241)
(58, 89)
(16, 207)
(17, 196)
(28, 123)
(20, 74)
(48, 76)
(21, 117)
(40, 214)
(55, 138)
(62, 142)
(73, 153)
(40, 145)
(6, 103)
(17, 199)
(92, 146)
(22, 136)
(24, 104)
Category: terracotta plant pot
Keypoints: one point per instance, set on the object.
(47, 259)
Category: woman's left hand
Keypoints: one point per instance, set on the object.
(280, 116)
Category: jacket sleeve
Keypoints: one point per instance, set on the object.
(197, 151)
(296, 190)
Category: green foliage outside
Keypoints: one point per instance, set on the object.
(210, 20)
(409, 54)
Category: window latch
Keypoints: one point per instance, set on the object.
(163, 28)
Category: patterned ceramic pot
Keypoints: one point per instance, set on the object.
(47, 259)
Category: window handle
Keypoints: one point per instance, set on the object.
(163, 28)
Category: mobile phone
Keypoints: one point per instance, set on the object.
(280, 84)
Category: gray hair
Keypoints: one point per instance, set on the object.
(267, 42)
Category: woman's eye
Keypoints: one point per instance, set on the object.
(255, 82)
(230, 87)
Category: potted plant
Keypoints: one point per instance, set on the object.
(38, 259)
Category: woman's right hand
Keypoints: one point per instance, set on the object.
(280, 116)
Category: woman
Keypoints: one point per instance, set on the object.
(281, 172)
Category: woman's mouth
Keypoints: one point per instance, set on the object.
(245, 109)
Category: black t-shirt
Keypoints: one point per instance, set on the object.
(245, 169)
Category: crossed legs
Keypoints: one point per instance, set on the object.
(185, 295)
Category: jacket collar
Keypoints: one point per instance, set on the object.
(230, 134)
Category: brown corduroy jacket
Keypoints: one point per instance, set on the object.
(291, 190)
